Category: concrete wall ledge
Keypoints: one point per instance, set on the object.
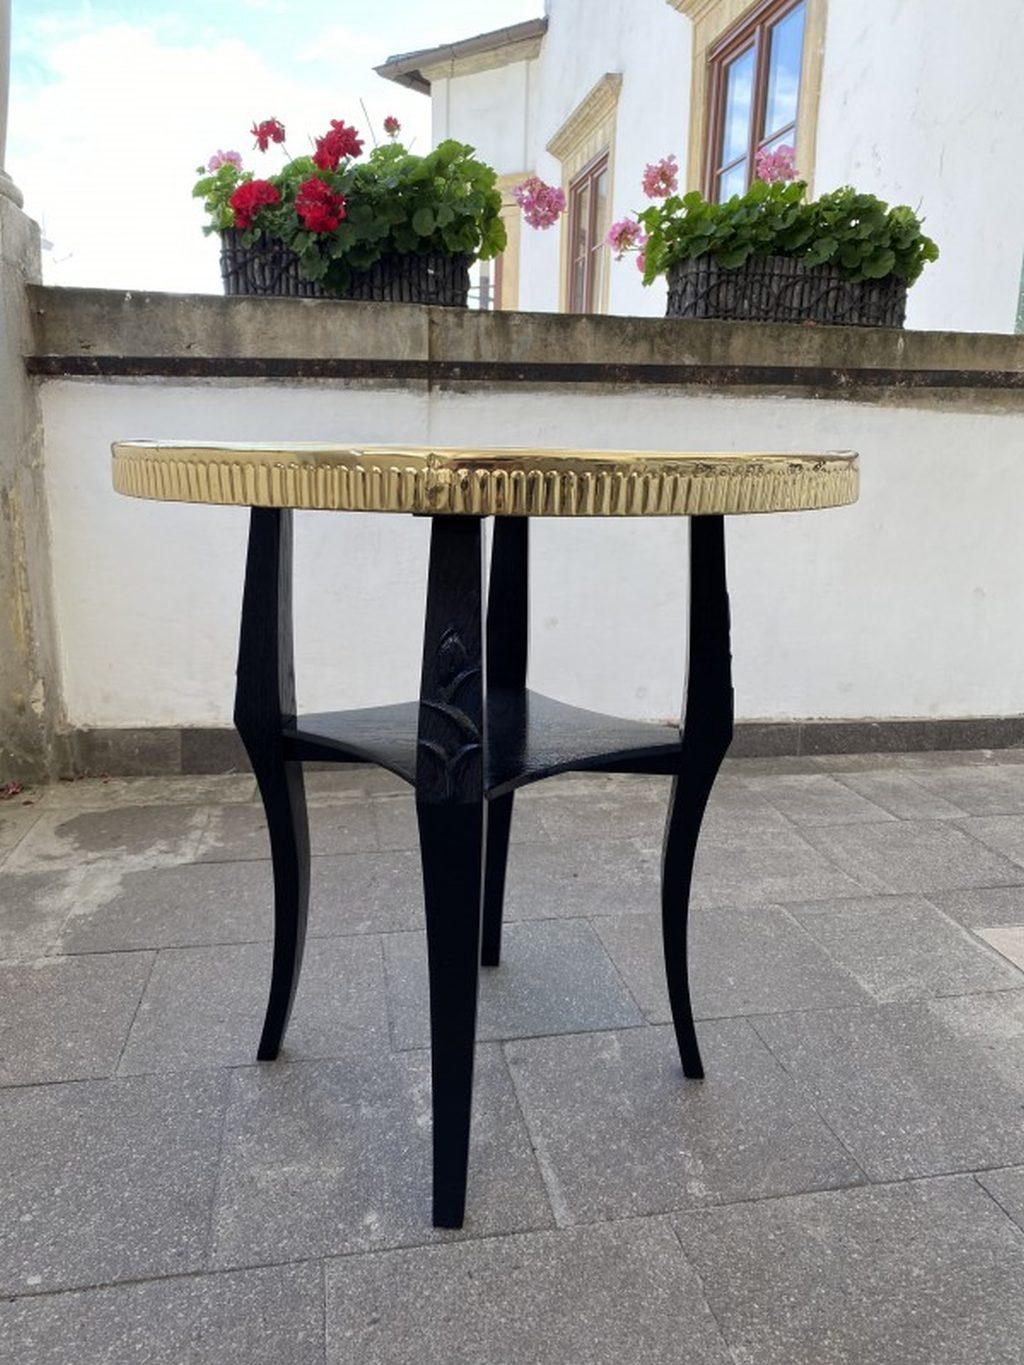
(156, 750)
(108, 333)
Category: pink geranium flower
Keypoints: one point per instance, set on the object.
(542, 204)
(662, 178)
(220, 158)
(777, 165)
(624, 235)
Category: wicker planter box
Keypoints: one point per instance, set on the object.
(778, 289)
(269, 268)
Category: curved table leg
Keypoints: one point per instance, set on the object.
(706, 734)
(507, 646)
(451, 813)
(499, 827)
(264, 704)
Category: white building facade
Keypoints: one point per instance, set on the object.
(915, 101)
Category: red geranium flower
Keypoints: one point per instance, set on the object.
(339, 141)
(270, 130)
(250, 197)
(392, 126)
(320, 209)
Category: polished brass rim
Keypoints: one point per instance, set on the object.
(493, 482)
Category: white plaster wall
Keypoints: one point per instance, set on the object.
(908, 604)
(922, 103)
(488, 109)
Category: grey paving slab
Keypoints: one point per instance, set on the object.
(555, 977)
(1004, 833)
(595, 809)
(107, 1180)
(67, 1018)
(325, 1158)
(343, 781)
(1006, 939)
(895, 790)
(976, 907)
(816, 799)
(994, 1024)
(906, 1093)
(978, 789)
(363, 893)
(205, 1006)
(742, 961)
(602, 1295)
(396, 828)
(15, 822)
(33, 907)
(903, 948)
(146, 834)
(582, 877)
(105, 793)
(191, 903)
(904, 1275)
(250, 1317)
(1007, 1188)
(620, 1132)
(755, 856)
(238, 833)
(199, 903)
(913, 856)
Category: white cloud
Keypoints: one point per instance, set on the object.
(105, 150)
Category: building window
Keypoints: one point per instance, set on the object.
(754, 78)
(587, 257)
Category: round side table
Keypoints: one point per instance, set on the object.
(476, 733)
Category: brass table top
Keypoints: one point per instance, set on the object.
(483, 482)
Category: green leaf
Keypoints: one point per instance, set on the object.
(423, 221)
(878, 266)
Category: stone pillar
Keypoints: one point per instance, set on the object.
(30, 746)
(8, 189)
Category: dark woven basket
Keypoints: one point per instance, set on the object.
(779, 289)
(269, 268)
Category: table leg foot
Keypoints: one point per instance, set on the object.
(681, 830)
(499, 827)
(284, 801)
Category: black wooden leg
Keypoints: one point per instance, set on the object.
(452, 821)
(264, 704)
(507, 646)
(706, 734)
(499, 827)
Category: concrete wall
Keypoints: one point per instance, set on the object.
(29, 686)
(908, 605)
(921, 103)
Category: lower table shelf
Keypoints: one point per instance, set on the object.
(529, 737)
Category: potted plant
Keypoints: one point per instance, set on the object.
(769, 255)
(394, 226)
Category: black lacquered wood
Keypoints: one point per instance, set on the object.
(706, 730)
(264, 709)
(530, 737)
(450, 754)
(508, 629)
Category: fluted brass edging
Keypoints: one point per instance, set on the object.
(493, 482)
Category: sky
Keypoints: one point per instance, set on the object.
(114, 104)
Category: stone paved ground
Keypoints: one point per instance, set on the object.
(846, 1186)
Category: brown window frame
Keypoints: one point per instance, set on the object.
(587, 177)
(752, 31)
